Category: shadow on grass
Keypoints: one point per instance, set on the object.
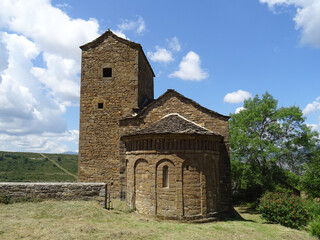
(236, 216)
(248, 210)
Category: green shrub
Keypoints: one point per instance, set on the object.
(285, 209)
(315, 228)
(313, 208)
(4, 199)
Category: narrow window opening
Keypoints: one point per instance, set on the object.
(187, 167)
(165, 176)
(107, 72)
(100, 105)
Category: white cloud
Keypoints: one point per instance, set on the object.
(23, 107)
(190, 69)
(45, 142)
(160, 55)
(164, 55)
(39, 72)
(174, 44)
(237, 97)
(60, 76)
(239, 109)
(120, 34)
(138, 26)
(312, 107)
(307, 18)
(50, 28)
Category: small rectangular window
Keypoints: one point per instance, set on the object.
(100, 105)
(107, 72)
(165, 180)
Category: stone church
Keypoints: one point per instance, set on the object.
(168, 156)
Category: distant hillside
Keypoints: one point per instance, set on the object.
(73, 153)
(36, 167)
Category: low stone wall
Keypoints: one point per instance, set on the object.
(58, 191)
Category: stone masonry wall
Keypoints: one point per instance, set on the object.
(173, 104)
(214, 124)
(58, 191)
(99, 159)
(192, 189)
(145, 87)
(100, 151)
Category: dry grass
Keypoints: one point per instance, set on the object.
(88, 220)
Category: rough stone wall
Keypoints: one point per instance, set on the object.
(145, 81)
(166, 195)
(178, 105)
(186, 195)
(213, 123)
(192, 189)
(58, 191)
(99, 154)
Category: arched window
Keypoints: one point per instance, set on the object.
(165, 176)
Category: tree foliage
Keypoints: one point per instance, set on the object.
(310, 180)
(267, 141)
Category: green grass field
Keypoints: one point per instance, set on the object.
(88, 220)
(35, 167)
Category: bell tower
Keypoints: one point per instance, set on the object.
(116, 80)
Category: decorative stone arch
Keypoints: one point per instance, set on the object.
(142, 179)
(165, 193)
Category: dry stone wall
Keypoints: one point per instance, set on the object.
(58, 191)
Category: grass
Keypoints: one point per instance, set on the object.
(34, 167)
(88, 220)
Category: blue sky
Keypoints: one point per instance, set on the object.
(217, 53)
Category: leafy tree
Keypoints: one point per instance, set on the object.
(270, 141)
(311, 178)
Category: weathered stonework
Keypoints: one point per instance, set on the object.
(120, 144)
(57, 191)
(129, 87)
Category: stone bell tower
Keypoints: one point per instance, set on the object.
(116, 81)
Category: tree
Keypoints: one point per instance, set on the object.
(270, 141)
(310, 180)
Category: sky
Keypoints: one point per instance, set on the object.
(218, 53)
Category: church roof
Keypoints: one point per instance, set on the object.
(173, 124)
(96, 42)
(172, 93)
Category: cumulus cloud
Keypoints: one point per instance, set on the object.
(23, 107)
(190, 68)
(60, 76)
(160, 55)
(165, 55)
(237, 97)
(39, 72)
(44, 142)
(50, 28)
(312, 107)
(239, 109)
(307, 18)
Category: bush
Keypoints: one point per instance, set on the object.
(285, 209)
(315, 228)
(4, 199)
(313, 208)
